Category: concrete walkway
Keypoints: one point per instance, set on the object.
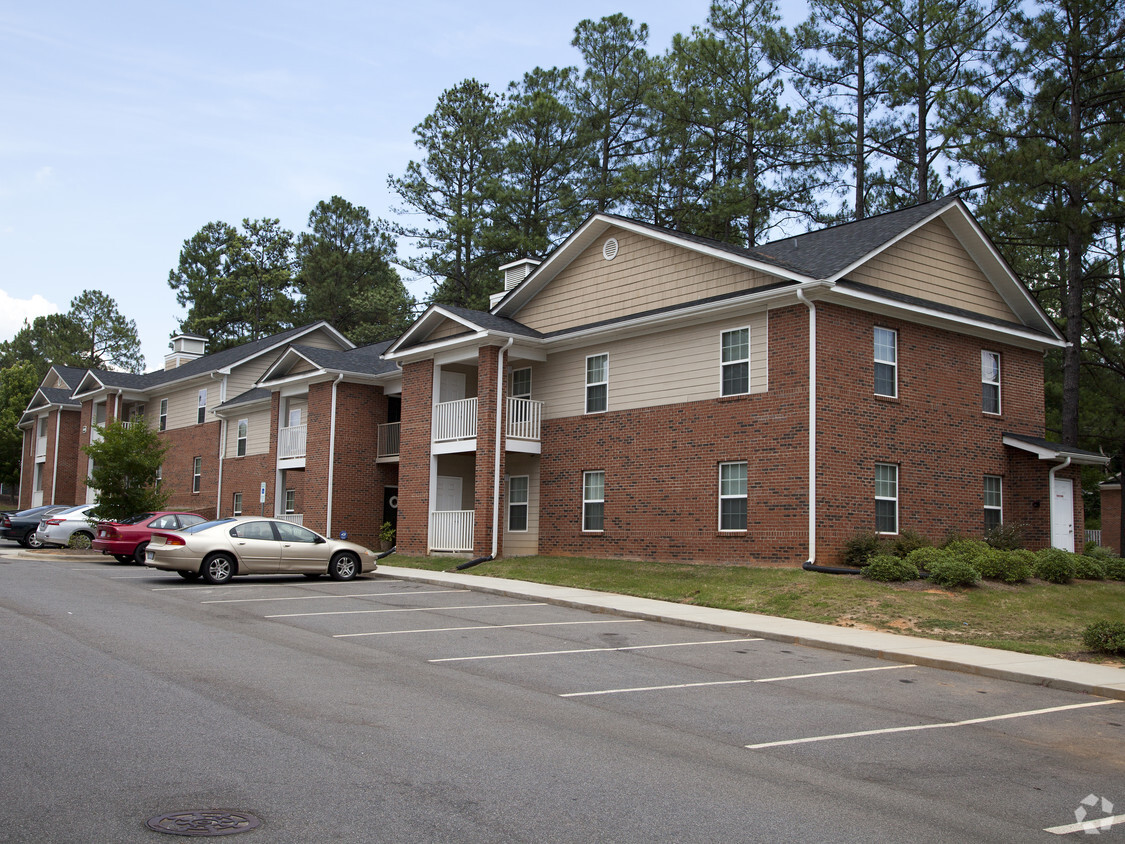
(1102, 680)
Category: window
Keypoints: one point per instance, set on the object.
(254, 530)
(295, 533)
(993, 502)
(521, 383)
(164, 414)
(196, 474)
(886, 362)
(243, 429)
(517, 503)
(990, 382)
(164, 523)
(236, 507)
(290, 501)
(732, 496)
(886, 498)
(597, 383)
(295, 417)
(159, 477)
(593, 501)
(735, 367)
(201, 413)
(42, 426)
(39, 476)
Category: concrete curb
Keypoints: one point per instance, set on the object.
(1052, 672)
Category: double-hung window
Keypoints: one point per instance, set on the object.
(993, 502)
(243, 430)
(236, 505)
(196, 474)
(990, 382)
(732, 496)
(521, 383)
(593, 501)
(290, 501)
(164, 414)
(886, 498)
(597, 383)
(886, 362)
(735, 374)
(201, 412)
(517, 502)
(159, 477)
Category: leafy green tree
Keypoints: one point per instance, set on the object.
(55, 338)
(201, 281)
(18, 383)
(454, 188)
(109, 339)
(126, 461)
(345, 275)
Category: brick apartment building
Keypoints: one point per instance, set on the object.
(639, 394)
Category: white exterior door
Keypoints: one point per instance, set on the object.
(448, 493)
(1062, 514)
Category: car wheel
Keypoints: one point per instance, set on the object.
(123, 558)
(139, 554)
(344, 566)
(188, 575)
(31, 540)
(81, 539)
(218, 569)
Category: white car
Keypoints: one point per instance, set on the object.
(220, 549)
(68, 527)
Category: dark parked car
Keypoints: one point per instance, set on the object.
(21, 526)
(127, 540)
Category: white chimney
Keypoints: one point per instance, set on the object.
(514, 273)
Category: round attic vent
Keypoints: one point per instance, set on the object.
(609, 249)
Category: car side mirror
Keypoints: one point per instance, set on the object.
(320, 540)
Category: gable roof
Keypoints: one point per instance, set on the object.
(478, 324)
(365, 361)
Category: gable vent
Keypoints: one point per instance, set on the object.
(609, 249)
(517, 271)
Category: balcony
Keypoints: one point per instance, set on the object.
(291, 442)
(388, 441)
(451, 530)
(455, 420)
(524, 419)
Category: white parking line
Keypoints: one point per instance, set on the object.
(400, 609)
(592, 650)
(315, 597)
(1092, 826)
(199, 587)
(939, 726)
(733, 682)
(488, 627)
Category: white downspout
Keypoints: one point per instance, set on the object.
(499, 420)
(1051, 500)
(222, 451)
(812, 423)
(331, 456)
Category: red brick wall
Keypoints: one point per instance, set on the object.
(69, 455)
(484, 486)
(82, 464)
(185, 444)
(27, 468)
(414, 457)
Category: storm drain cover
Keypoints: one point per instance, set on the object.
(212, 822)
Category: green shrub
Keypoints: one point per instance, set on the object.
(1087, 568)
(1007, 536)
(862, 547)
(907, 541)
(1105, 636)
(969, 551)
(1100, 553)
(924, 558)
(1115, 568)
(888, 568)
(1008, 566)
(953, 572)
(1054, 565)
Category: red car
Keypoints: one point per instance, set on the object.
(127, 540)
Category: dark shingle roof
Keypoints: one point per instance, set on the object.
(70, 374)
(364, 360)
(1060, 448)
(491, 322)
(251, 395)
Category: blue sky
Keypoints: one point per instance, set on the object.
(129, 125)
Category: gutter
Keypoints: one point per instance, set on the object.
(812, 425)
(331, 456)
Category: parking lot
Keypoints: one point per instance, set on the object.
(933, 754)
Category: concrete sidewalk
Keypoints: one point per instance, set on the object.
(1102, 680)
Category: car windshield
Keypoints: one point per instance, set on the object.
(205, 525)
(132, 520)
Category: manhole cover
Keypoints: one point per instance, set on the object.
(213, 822)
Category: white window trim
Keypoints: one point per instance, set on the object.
(586, 501)
(201, 409)
(744, 496)
(236, 504)
(290, 501)
(163, 415)
(878, 497)
(723, 364)
(525, 504)
(196, 475)
(589, 383)
(999, 508)
(512, 386)
(159, 477)
(999, 375)
(892, 364)
(241, 437)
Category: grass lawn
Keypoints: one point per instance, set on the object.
(1034, 617)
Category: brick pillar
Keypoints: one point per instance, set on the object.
(414, 457)
(489, 381)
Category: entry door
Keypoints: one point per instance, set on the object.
(448, 493)
(1062, 514)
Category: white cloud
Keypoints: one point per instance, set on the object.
(14, 311)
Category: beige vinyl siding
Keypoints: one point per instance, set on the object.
(257, 437)
(668, 367)
(182, 405)
(319, 339)
(931, 264)
(295, 403)
(449, 328)
(523, 543)
(646, 274)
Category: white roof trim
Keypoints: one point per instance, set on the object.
(1062, 453)
(425, 323)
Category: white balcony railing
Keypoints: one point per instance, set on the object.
(388, 439)
(295, 518)
(291, 441)
(451, 530)
(455, 420)
(40, 446)
(524, 419)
